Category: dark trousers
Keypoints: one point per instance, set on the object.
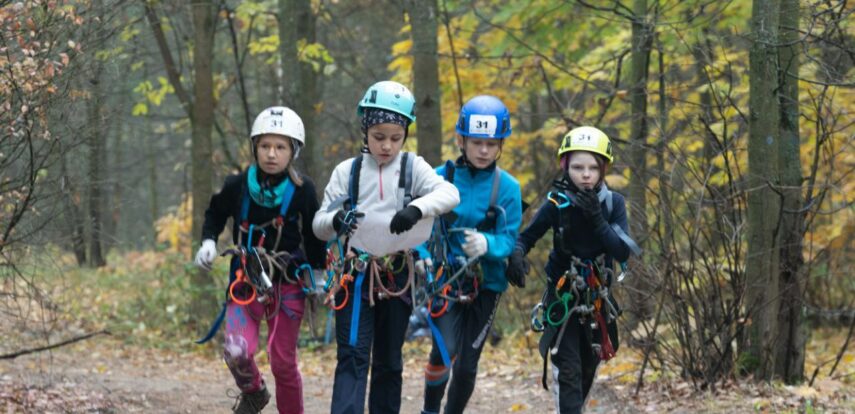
(464, 329)
(573, 368)
(379, 340)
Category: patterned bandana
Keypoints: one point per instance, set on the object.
(374, 116)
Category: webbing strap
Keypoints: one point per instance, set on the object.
(357, 305)
(405, 180)
(353, 187)
(494, 193)
(633, 246)
(440, 342)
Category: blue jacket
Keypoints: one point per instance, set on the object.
(475, 193)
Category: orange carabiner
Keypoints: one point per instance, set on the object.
(444, 308)
(240, 277)
(345, 278)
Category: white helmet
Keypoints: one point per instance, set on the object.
(279, 120)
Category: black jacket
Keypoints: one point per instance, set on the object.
(581, 238)
(298, 219)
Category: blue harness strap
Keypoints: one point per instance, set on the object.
(440, 342)
(222, 316)
(357, 305)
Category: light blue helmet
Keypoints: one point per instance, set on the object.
(391, 96)
(484, 116)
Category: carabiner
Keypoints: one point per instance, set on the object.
(560, 200)
(536, 323)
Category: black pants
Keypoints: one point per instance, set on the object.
(464, 329)
(379, 340)
(573, 366)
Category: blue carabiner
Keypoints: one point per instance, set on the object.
(560, 200)
(311, 277)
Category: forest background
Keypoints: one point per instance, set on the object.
(731, 123)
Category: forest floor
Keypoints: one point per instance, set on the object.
(105, 375)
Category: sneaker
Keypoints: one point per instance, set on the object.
(252, 402)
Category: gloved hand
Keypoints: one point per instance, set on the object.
(589, 203)
(206, 254)
(475, 244)
(422, 266)
(341, 227)
(405, 219)
(518, 268)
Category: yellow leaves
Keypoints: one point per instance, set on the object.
(265, 44)
(403, 61)
(517, 407)
(129, 32)
(139, 109)
(151, 95)
(174, 228)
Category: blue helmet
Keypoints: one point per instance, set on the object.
(484, 116)
(391, 96)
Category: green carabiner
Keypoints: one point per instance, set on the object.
(565, 298)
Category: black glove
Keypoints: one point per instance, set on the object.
(405, 219)
(518, 267)
(342, 224)
(589, 203)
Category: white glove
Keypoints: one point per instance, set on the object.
(422, 266)
(476, 244)
(206, 254)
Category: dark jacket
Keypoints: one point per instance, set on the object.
(581, 238)
(298, 219)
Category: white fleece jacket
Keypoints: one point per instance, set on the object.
(379, 193)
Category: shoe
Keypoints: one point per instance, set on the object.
(252, 402)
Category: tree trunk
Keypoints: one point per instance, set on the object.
(297, 21)
(96, 167)
(762, 265)
(289, 52)
(642, 41)
(791, 349)
(72, 213)
(202, 121)
(423, 23)
(152, 182)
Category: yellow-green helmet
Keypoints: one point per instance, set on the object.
(589, 139)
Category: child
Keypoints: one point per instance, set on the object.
(269, 205)
(589, 233)
(369, 186)
(489, 217)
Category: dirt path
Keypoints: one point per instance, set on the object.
(108, 377)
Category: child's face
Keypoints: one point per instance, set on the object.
(583, 169)
(385, 142)
(481, 152)
(273, 153)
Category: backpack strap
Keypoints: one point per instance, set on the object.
(405, 178)
(449, 171)
(353, 186)
(494, 193)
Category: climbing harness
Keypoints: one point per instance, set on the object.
(582, 290)
(253, 268)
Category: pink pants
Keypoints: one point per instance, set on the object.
(241, 342)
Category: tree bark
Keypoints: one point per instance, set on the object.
(423, 23)
(297, 21)
(72, 213)
(203, 120)
(790, 359)
(642, 42)
(762, 264)
(96, 167)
